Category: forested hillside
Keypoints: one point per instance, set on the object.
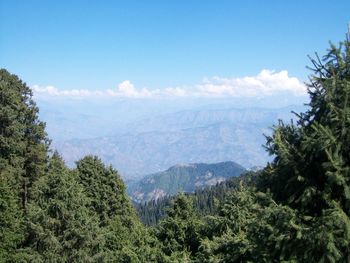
(205, 200)
(297, 209)
(182, 178)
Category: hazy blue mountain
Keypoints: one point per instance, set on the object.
(206, 135)
(200, 118)
(68, 119)
(182, 177)
(83, 119)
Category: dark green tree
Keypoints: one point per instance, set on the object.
(250, 227)
(126, 239)
(23, 141)
(105, 188)
(23, 148)
(180, 231)
(311, 169)
(61, 227)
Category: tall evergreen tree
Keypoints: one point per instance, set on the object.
(61, 227)
(104, 187)
(23, 148)
(180, 231)
(126, 239)
(311, 169)
(23, 141)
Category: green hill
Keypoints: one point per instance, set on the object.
(182, 178)
(205, 200)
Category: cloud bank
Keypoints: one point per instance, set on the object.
(266, 83)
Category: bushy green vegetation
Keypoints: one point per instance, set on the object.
(297, 209)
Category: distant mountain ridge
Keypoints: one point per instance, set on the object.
(207, 135)
(182, 177)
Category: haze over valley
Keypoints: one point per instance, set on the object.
(146, 139)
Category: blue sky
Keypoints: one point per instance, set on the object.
(98, 45)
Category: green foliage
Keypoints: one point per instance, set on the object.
(104, 187)
(180, 231)
(131, 244)
(10, 222)
(126, 239)
(311, 170)
(23, 141)
(23, 156)
(311, 167)
(153, 211)
(61, 228)
(250, 227)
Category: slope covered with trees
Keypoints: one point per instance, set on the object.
(297, 209)
(205, 200)
(182, 177)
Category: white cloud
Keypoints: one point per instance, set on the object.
(54, 92)
(127, 89)
(266, 83)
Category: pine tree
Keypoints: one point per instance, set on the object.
(104, 187)
(126, 239)
(61, 228)
(23, 141)
(23, 147)
(311, 169)
(180, 231)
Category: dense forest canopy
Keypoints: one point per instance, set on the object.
(297, 209)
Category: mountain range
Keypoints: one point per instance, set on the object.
(207, 135)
